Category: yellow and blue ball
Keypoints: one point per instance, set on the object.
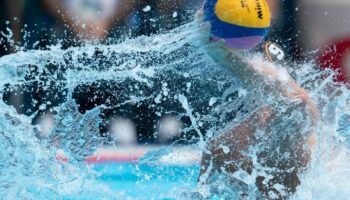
(240, 24)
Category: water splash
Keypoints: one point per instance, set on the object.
(165, 74)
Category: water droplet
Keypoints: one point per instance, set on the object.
(146, 9)
(174, 14)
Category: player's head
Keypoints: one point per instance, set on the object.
(239, 24)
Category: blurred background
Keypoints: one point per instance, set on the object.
(305, 28)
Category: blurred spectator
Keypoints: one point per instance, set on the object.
(90, 19)
(322, 21)
(274, 6)
(325, 27)
(336, 56)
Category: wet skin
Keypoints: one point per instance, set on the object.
(239, 138)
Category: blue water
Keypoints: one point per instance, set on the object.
(147, 181)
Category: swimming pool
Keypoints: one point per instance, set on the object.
(141, 172)
(142, 181)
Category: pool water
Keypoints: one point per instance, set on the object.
(143, 181)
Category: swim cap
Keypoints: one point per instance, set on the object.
(240, 24)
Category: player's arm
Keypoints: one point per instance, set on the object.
(231, 146)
